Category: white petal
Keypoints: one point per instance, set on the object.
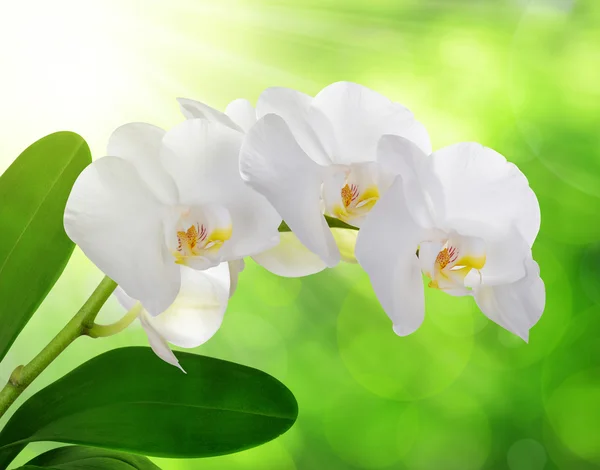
(480, 186)
(517, 306)
(366, 182)
(203, 158)
(428, 252)
(139, 144)
(242, 113)
(503, 261)
(196, 110)
(399, 156)
(290, 258)
(306, 125)
(117, 222)
(198, 310)
(334, 178)
(157, 342)
(469, 251)
(235, 268)
(272, 162)
(386, 249)
(255, 224)
(360, 117)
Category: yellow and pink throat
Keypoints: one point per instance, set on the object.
(355, 202)
(200, 236)
(453, 262)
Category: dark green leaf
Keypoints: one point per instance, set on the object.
(79, 458)
(34, 248)
(128, 399)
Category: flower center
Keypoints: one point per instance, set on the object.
(445, 257)
(447, 265)
(188, 240)
(350, 191)
(200, 233)
(356, 203)
(349, 194)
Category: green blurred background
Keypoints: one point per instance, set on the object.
(519, 76)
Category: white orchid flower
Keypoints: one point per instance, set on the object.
(164, 203)
(317, 156)
(290, 257)
(466, 219)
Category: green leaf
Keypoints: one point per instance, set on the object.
(128, 399)
(331, 221)
(78, 458)
(34, 248)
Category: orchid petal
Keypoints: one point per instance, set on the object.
(157, 342)
(235, 268)
(272, 163)
(242, 113)
(192, 109)
(517, 306)
(139, 144)
(197, 313)
(118, 223)
(480, 188)
(385, 248)
(399, 156)
(360, 117)
(295, 109)
(503, 261)
(428, 252)
(290, 258)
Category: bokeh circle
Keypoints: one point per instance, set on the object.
(574, 414)
(526, 454)
(454, 434)
(411, 367)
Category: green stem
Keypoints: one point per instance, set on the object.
(79, 325)
(101, 331)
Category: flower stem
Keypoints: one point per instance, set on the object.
(79, 325)
(101, 331)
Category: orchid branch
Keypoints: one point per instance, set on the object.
(79, 325)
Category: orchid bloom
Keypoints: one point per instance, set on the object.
(168, 212)
(466, 219)
(312, 157)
